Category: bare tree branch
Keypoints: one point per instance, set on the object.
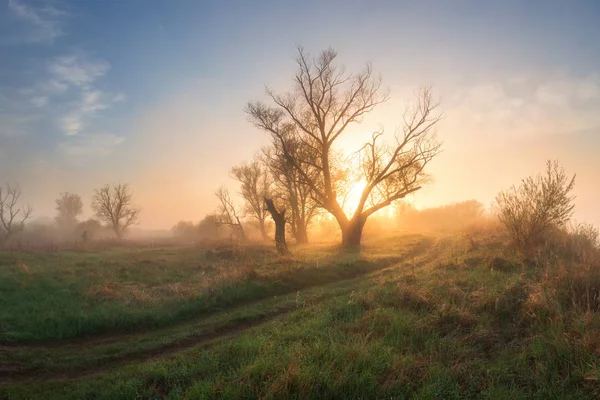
(325, 100)
(12, 216)
(227, 213)
(256, 182)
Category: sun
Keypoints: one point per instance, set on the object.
(350, 202)
(353, 197)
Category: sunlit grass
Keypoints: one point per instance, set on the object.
(449, 317)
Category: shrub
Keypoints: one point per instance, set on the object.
(585, 235)
(538, 207)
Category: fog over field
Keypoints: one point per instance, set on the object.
(299, 200)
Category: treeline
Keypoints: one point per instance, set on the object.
(447, 218)
(112, 205)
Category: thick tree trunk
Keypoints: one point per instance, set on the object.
(352, 232)
(279, 219)
(301, 232)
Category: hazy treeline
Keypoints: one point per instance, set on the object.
(447, 218)
(113, 207)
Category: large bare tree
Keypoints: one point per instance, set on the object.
(325, 100)
(113, 205)
(228, 214)
(12, 215)
(68, 207)
(256, 182)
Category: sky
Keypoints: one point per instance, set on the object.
(152, 93)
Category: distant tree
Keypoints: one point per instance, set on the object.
(228, 214)
(325, 100)
(68, 206)
(539, 205)
(12, 215)
(208, 227)
(113, 205)
(89, 229)
(185, 229)
(256, 182)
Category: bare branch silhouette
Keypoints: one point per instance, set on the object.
(324, 101)
(12, 216)
(228, 214)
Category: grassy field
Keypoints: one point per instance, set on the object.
(409, 316)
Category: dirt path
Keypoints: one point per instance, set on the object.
(15, 374)
(194, 341)
(419, 249)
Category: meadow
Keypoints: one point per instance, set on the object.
(408, 316)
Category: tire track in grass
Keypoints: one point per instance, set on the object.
(419, 248)
(13, 375)
(9, 376)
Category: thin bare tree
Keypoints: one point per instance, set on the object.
(290, 189)
(325, 100)
(113, 205)
(256, 182)
(228, 214)
(68, 206)
(12, 215)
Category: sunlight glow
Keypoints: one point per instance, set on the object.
(353, 197)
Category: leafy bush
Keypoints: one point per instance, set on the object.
(538, 207)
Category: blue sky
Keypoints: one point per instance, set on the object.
(152, 92)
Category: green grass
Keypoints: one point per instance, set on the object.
(67, 295)
(422, 320)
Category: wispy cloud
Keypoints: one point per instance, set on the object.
(564, 91)
(538, 106)
(77, 70)
(44, 24)
(89, 103)
(98, 144)
(69, 95)
(71, 124)
(39, 101)
(79, 74)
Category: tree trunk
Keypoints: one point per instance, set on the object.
(263, 229)
(240, 229)
(352, 232)
(4, 240)
(279, 219)
(301, 232)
